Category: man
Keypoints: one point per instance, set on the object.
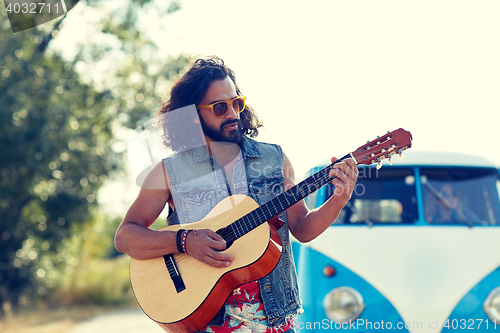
(267, 305)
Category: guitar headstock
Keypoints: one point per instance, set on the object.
(383, 147)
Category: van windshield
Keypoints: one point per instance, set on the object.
(381, 196)
(460, 196)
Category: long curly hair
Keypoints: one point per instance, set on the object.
(190, 88)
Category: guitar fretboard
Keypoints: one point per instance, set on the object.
(280, 203)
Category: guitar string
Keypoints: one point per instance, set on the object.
(258, 216)
(241, 227)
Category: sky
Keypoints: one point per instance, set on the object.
(327, 76)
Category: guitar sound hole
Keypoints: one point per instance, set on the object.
(228, 236)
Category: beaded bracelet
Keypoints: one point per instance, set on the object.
(183, 238)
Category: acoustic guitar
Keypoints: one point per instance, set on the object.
(182, 294)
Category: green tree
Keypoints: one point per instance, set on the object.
(56, 136)
(55, 154)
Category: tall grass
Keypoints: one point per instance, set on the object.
(102, 282)
(81, 271)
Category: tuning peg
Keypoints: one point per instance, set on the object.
(379, 165)
(400, 156)
(390, 162)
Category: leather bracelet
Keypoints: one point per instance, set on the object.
(178, 240)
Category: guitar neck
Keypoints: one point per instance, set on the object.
(384, 147)
(282, 202)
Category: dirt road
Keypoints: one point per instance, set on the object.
(122, 321)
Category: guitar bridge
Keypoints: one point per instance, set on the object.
(174, 273)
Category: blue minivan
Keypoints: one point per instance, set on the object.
(416, 249)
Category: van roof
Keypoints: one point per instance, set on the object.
(436, 158)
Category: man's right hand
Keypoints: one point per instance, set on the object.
(204, 245)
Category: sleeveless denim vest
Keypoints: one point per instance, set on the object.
(198, 183)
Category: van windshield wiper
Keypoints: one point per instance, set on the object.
(445, 202)
(353, 209)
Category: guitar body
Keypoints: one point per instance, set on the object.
(207, 288)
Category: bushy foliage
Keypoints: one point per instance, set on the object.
(56, 139)
(55, 154)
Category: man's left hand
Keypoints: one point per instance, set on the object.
(346, 175)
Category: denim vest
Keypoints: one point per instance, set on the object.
(198, 183)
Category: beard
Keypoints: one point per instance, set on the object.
(217, 134)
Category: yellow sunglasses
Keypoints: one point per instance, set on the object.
(219, 109)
